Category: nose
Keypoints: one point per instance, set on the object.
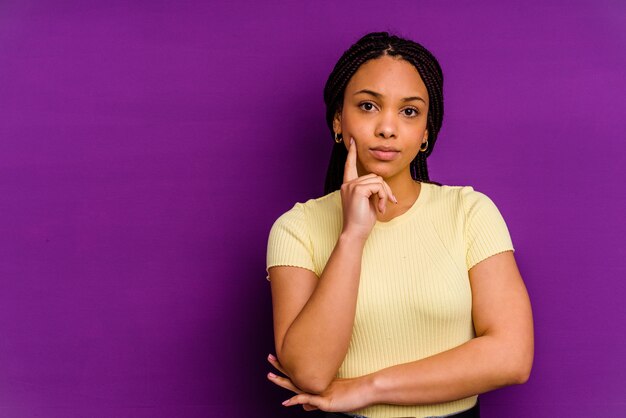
(386, 127)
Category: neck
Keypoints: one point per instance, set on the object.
(403, 186)
(406, 191)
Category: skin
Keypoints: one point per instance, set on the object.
(376, 114)
(313, 317)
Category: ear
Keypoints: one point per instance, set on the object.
(337, 122)
(425, 136)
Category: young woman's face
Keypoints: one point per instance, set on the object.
(384, 109)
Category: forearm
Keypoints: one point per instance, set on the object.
(477, 366)
(316, 343)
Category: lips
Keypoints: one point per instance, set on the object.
(385, 149)
(384, 153)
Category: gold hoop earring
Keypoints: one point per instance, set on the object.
(338, 139)
(425, 148)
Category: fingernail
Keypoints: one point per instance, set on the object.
(286, 402)
(271, 357)
(394, 199)
(351, 140)
(272, 375)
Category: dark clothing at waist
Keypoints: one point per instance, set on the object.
(473, 412)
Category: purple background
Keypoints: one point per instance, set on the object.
(146, 149)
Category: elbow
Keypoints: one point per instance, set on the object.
(312, 384)
(511, 364)
(519, 372)
(517, 377)
(309, 379)
(522, 374)
(516, 361)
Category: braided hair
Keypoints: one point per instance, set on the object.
(369, 47)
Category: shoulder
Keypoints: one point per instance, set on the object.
(477, 204)
(477, 218)
(296, 235)
(447, 191)
(452, 197)
(472, 197)
(302, 214)
(312, 208)
(463, 196)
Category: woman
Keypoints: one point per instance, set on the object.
(394, 296)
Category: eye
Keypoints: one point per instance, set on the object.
(410, 112)
(367, 106)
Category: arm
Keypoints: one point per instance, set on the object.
(313, 318)
(500, 355)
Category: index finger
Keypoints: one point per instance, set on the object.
(349, 170)
(274, 362)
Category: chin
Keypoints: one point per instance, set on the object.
(384, 172)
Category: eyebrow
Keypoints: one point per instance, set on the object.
(378, 95)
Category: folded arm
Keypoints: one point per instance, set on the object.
(500, 355)
(313, 317)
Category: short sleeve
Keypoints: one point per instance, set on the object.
(486, 232)
(289, 242)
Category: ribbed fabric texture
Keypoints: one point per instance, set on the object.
(414, 296)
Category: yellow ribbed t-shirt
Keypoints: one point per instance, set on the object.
(414, 297)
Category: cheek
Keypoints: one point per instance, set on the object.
(355, 124)
(348, 128)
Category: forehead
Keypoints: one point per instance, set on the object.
(389, 76)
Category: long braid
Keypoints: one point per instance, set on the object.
(372, 46)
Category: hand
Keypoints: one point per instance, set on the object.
(342, 395)
(358, 196)
(285, 382)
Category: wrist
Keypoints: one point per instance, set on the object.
(352, 239)
(370, 390)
